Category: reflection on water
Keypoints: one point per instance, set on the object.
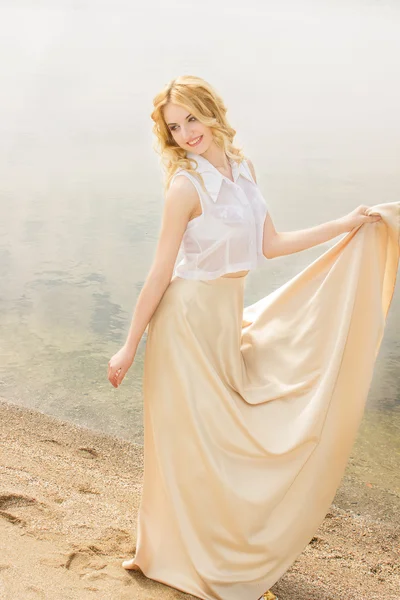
(81, 189)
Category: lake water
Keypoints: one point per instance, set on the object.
(311, 89)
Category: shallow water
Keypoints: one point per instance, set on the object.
(81, 188)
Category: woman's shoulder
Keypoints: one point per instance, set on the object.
(181, 197)
(182, 179)
(183, 190)
(181, 182)
(185, 182)
(250, 165)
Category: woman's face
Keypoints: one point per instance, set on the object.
(187, 131)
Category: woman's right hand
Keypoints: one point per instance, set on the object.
(118, 365)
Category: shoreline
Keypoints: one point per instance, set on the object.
(69, 499)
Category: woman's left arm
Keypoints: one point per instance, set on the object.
(288, 242)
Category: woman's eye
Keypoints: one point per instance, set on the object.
(174, 127)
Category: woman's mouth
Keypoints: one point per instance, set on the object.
(196, 141)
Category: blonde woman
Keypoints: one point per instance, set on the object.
(227, 502)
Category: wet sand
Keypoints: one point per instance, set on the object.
(68, 503)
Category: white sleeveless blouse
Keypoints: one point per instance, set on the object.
(228, 235)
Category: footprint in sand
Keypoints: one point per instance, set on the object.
(38, 592)
(51, 440)
(89, 566)
(16, 501)
(83, 450)
(88, 452)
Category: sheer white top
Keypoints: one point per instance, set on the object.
(228, 235)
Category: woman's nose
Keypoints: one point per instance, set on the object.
(185, 134)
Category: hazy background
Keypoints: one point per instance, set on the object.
(313, 91)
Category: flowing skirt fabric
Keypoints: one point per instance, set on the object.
(250, 413)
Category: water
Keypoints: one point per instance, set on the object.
(311, 92)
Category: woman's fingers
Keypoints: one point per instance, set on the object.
(114, 376)
(372, 216)
(118, 377)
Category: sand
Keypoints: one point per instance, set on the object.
(68, 504)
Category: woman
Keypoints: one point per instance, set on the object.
(224, 445)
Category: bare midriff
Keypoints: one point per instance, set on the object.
(236, 274)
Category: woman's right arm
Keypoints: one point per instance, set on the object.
(181, 201)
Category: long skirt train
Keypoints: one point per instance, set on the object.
(250, 413)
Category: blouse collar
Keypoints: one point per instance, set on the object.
(212, 177)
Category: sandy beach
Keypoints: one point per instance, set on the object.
(69, 499)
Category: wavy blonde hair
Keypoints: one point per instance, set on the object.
(204, 103)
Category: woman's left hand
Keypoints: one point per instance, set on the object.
(357, 217)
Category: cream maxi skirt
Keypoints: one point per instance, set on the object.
(250, 413)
